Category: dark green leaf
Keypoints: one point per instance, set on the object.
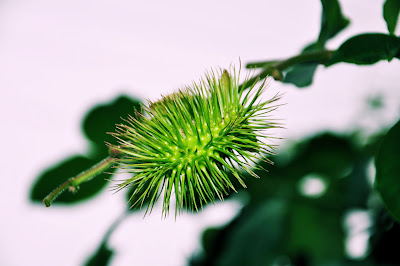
(314, 232)
(391, 10)
(103, 118)
(102, 257)
(97, 123)
(387, 181)
(367, 49)
(332, 21)
(263, 227)
(384, 234)
(310, 230)
(326, 154)
(301, 75)
(53, 177)
(210, 238)
(264, 233)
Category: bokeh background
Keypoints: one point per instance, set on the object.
(58, 59)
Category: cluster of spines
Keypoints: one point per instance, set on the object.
(191, 139)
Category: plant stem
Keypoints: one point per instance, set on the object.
(74, 182)
(114, 225)
(274, 68)
(320, 57)
(103, 255)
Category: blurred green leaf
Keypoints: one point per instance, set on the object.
(387, 163)
(367, 49)
(307, 230)
(385, 235)
(256, 238)
(391, 10)
(332, 21)
(100, 120)
(312, 235)
(301, 75)
(102, 257)
(104, 254)
(53, 177)
(103, 118)
(327, 154)
(338, 161)
(265, 233)
(210, 238)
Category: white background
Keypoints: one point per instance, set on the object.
(60, 58)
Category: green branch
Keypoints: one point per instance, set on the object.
(275, 68)
(73, 183)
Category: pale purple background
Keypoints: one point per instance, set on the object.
(60, 58)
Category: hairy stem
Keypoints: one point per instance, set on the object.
(73, 182)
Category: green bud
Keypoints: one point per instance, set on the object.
(190, 140)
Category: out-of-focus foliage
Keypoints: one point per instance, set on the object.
(295, 213)
(102, 119)
(332, 22)
(102, 257)
(97, 123)
(391, 10)
(362, 49)
(302, 74)
(366, 49)
(388, 171)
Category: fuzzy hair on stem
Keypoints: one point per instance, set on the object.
(193, 142)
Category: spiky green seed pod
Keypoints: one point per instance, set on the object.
(191, 140)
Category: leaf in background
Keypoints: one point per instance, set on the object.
(102, 257)
(314, 232)
(332, 21)
(328, 154)
(103, 118)
(256, 238)
(385, 235)
(387, 163)
(369, 48)
(301, 75)
(306, 230)
(53, 177)
(100, 120)
(391, 10)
